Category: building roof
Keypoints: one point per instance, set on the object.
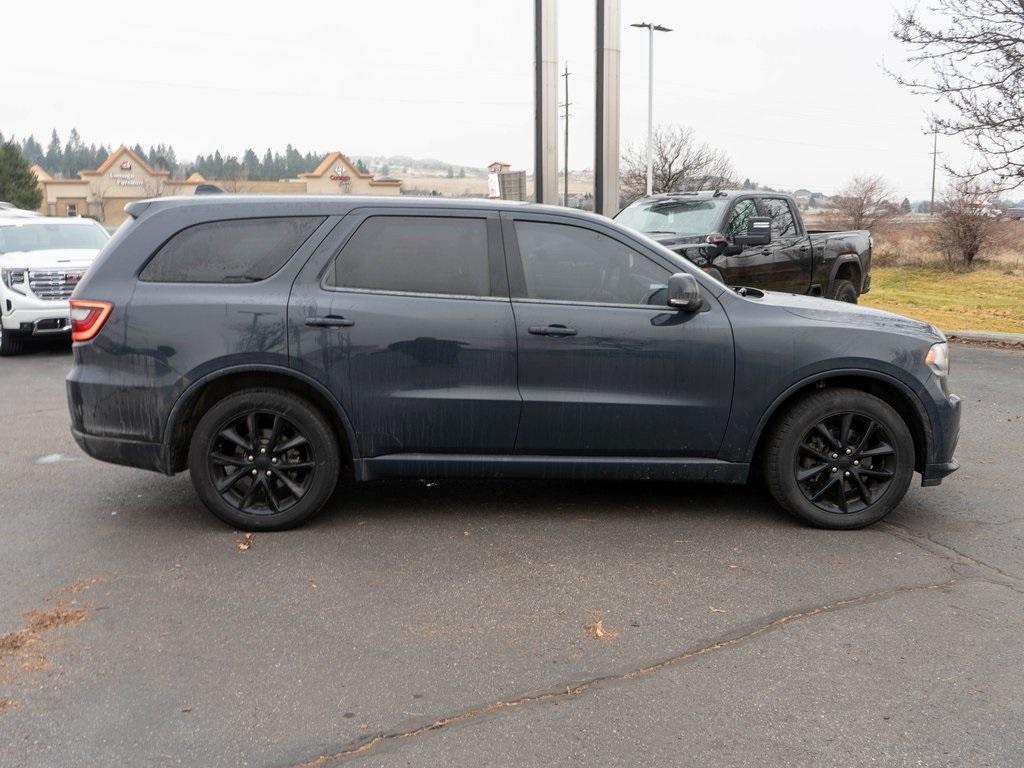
(116, 156)
(330, 159)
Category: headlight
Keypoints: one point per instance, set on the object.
(15, 279)
(938, 358)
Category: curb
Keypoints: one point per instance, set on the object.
(987, 337)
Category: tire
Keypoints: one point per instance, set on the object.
(10, 344)
(844, 290)
(874, 460)
(263, 460)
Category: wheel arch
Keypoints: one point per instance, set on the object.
(891, 390)
(847, 267)
(190, 406)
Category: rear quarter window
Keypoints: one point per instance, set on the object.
(234, 251)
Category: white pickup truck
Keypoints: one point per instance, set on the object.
(41, 261)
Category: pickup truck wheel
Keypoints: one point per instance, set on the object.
(263, 460)
(10, 344)
(840, 459)
(844, 290)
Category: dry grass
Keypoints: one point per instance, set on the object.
(7, 704)
(910, 277)
(985, 299)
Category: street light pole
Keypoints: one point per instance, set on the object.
(651, 29)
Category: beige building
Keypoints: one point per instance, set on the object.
(124, 176)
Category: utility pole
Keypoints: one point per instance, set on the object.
(567, 104)
(651, 29)
(935, 162)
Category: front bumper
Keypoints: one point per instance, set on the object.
(40, 321)
(945, 433)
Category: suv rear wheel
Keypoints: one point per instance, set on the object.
(840, 459)
(263, 459)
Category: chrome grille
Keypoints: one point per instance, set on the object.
(53, 284)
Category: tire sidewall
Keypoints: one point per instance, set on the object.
(308, 420)
(805, 416)
(845, 291)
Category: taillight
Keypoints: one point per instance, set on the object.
(88, 317)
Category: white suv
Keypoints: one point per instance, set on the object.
(41, 261)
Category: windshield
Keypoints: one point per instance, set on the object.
(674, 216)
(51, 235)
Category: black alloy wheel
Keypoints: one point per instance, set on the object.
(264, 459)
(845, 462)
(839, 458)
(261, 463)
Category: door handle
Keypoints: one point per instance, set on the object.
(330, 321)
(552, 330)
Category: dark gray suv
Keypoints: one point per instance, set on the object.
(269, 345)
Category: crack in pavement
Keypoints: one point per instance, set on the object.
(369, 743)
(925, 542)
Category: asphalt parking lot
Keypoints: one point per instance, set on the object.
(420, 624)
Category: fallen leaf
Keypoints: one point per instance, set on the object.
(6, 704)
(246, 541)
(597, 630)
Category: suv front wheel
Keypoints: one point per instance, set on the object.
(263, 460)
(840, 459)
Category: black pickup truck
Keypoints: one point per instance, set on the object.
(755, 239)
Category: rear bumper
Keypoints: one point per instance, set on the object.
(128, 453)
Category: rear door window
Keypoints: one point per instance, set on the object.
(236, 251)
(415, 254)
(777, 209)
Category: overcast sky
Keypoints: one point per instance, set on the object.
(793, 90)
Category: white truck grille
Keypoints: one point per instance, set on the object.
(53, 284)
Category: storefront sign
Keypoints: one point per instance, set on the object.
(340, 175)
(126, 180)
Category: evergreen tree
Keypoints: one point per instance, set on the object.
(101, 155)
(267, 166)
(251, 164)
(905, 205)
(18, 185)
(54, 154)
(31, 150)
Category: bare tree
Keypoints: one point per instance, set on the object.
(680, 164)
(965, 224)
(864, 203)
(974, 55)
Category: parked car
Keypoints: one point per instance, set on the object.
(266, 344)
(41, 261)
(11, 211)
(756, 239)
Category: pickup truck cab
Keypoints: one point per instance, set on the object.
(755, 239)
(41, 261)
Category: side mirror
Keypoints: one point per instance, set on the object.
(759, 232)
(684, 292)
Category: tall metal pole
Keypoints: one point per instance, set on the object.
(935, 162)
(545, 141)
(650, 110)
(606, 104)
(651, 29)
